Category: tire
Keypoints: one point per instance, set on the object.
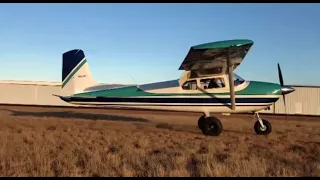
(201, 122)
(258, 129)
(211, 126)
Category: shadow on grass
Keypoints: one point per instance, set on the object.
(70, 114)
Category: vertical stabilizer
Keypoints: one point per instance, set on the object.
(76, 75)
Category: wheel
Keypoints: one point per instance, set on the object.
(211, 126)
(263, 131)
(201, 121)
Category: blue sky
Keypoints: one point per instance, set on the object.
(141, 43)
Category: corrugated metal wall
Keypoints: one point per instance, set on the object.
(305, 100)
(30, 94)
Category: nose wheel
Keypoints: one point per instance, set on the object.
(210, 126)
(262, 126)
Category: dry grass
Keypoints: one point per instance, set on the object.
(86, 142)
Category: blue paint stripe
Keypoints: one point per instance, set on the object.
(171, 100)
(166, 105)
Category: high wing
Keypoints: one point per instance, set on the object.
(217, 58)
(210, 57)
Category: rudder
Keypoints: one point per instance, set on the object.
(76, 75)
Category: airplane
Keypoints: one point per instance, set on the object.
(207, 85)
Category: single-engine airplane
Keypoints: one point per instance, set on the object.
(207, 85)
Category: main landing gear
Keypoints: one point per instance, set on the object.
(212, 126)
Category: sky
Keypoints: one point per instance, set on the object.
(142, 43)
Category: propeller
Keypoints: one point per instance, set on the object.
(281, 83)
(284, 89)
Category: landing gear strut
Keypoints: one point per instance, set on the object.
(262, 126)
(210, 126)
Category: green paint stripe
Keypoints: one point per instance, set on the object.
(254, 88)
(74, 72)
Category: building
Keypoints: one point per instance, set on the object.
(30, 93)
(305, 100)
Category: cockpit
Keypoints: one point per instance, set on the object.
(211, 82)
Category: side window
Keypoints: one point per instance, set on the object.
(212, 83)
(190, 85)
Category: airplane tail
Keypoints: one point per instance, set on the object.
(76, 74)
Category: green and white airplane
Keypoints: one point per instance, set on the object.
(207, 85)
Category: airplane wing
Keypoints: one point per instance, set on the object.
(217, 58)
(213, 55)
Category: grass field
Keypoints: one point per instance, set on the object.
(93, 142)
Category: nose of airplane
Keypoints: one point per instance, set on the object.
(287, 90)
(284, 89)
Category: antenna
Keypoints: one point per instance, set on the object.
(135, 81)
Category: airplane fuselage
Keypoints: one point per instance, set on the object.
(251, 96)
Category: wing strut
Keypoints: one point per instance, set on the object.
(231, 83)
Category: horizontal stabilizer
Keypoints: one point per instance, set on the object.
(62, 97)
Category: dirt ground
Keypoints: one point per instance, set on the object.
(95, 142)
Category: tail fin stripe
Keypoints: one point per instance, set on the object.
(73, 72)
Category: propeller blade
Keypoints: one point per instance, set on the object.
(280, 75)
(283, 95)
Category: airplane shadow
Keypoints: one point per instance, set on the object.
(70, 114)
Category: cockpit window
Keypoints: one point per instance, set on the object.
(212, 83)
(237, 79)
(190, 85)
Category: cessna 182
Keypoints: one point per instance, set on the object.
(207, 85)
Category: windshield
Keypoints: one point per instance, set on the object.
(237, 79)
(236, 76)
